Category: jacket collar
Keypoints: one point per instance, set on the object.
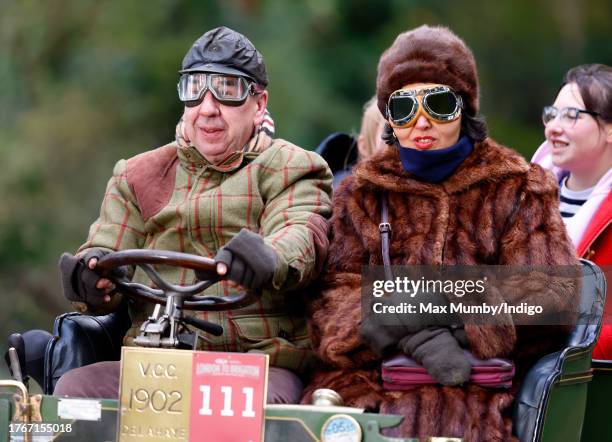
(191, 158)
(488, 162)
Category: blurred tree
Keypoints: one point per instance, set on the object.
(84, 83)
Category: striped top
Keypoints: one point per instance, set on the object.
(572, 200)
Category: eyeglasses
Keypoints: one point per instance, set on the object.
(568, 115)
(227, 89)
(440, 103)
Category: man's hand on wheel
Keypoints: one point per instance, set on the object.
(80, 281)
(246, 260)
(104, 284)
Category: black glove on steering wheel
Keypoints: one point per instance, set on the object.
(250, 261)
(79, 281)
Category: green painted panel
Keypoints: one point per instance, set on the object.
(302, 423)
(565, 414)
(598, 419)
(5, 418)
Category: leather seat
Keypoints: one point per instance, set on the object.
(552, 399)
(80, 340)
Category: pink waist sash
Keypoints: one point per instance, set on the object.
(403, 373)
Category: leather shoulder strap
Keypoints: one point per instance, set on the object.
(385, 234)
(151, 176)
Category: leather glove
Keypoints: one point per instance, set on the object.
(379, 336)
(437, 350)
(250, 262)
(460, 335)
(79, 281)
(382, 332)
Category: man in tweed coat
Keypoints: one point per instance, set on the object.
(223, 189)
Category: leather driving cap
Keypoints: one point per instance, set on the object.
(225, 51)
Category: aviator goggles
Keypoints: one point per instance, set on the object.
(568, 115)
(440, 103)
(227, 89)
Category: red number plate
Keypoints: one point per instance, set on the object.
(228, 394)
(191, 396)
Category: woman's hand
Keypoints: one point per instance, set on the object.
(436, 349)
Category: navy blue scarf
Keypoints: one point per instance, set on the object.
(434, 166)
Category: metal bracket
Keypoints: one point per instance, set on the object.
(384, 227)
(27, 410)
(162, 331)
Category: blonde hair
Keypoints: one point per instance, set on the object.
(369, 134)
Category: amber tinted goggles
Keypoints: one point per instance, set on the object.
(439, 103)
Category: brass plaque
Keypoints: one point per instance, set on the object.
(155, 395)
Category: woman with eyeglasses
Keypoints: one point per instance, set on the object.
(578, 150)
(441, 194)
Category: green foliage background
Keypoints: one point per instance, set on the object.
(86, 82)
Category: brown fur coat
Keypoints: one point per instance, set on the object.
(495, 209)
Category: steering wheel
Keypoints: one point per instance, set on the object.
(145, 258)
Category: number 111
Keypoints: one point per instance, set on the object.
(205, 410)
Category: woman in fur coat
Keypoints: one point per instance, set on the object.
(455, 197)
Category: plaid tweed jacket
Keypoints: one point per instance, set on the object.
(171, 198)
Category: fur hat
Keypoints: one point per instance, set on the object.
(428, 55)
